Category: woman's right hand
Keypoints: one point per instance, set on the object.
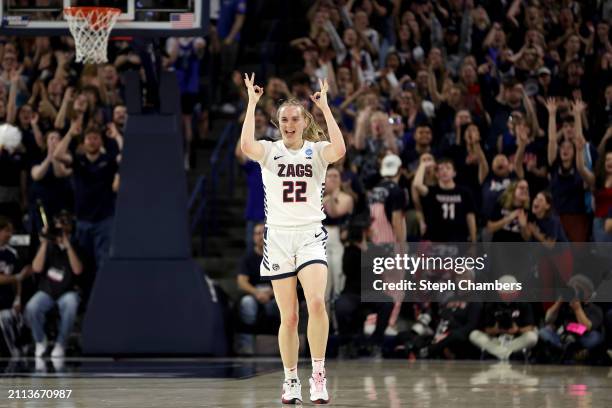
(255, 91)
(551, 106)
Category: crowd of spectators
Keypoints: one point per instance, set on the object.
(465, 121)
(59, 179)
(58, 184)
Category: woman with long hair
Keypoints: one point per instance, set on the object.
(566, 172)
(509, 221)
(293, 172)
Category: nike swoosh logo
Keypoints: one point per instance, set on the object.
(277, 157)
(318, 235)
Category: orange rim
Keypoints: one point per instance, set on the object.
(93, 14)
(73, 10)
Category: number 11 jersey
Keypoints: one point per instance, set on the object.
(294, 183)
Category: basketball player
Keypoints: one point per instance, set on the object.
(293, 172)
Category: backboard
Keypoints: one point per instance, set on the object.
(149, 18)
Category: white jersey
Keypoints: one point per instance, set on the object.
(294, 183)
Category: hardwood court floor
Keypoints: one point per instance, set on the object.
(361, 383)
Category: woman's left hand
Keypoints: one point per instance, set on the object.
(320, 98)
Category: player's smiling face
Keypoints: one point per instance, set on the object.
(292, 123)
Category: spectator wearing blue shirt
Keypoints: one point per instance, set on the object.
(185, 57)
(232, 14)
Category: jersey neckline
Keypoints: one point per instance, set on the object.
(296, 152)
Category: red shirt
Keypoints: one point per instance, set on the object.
(603, 202)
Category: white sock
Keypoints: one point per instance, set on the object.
(291, 373)
(318, 366)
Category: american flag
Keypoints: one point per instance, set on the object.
(181, 20)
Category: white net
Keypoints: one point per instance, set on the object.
(91, 27)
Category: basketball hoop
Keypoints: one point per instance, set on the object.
(90, 27)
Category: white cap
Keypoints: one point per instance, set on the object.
(390, 165)
(10, 136)
(428, 109)
(544, 71)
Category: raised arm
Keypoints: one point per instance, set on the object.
(11, 108)
(551, 106)
(62, 147)
(465, 40)
(587, 175)
(483, 164)
(601, 149)
(336, 41)
(73, 258)
(336, 150)
(530, 114)
(389, 138)
(250, 147)
(418, 183)
(361, 128)
(38, 263)
(522, 141)
(60, 119)
(39, 171)
(432, 83)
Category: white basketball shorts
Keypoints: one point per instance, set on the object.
(287, 251)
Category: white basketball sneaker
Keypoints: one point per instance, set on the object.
(292, 392)
(318, 389)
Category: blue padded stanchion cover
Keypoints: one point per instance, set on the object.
(144, 307)
(150, 297)
(151, 211)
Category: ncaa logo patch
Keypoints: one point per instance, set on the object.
(276, 267)
(308, 152)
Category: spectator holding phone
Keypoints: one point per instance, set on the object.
(572, 322)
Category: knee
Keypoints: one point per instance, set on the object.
(478, 338)
(248, 303)
(545, 333)
(248, 309)
(591, 340)
(68, 303)
(316, 306)
(531, 338)
(31, 308)
(290, 320)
